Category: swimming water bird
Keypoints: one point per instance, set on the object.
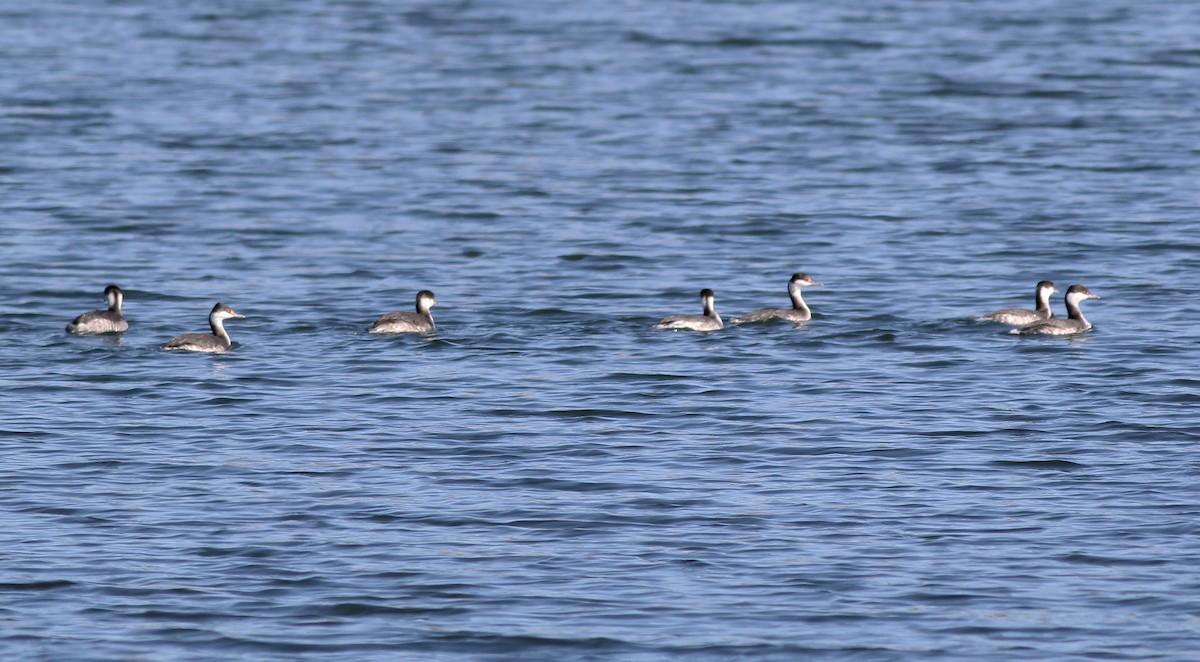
(217, 341)
(1075, 322)
(799, 312)
(102, 321)
(418, 322)
(709, 321)
(1041, 311)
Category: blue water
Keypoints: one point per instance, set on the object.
(546, 477)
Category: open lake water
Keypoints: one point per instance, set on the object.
(546, 477)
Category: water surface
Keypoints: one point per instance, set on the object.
(546, 477)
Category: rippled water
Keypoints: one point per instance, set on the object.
(546, 477)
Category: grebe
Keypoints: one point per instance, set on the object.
(102, 321)
(799, 311)
(709, 321)
(1075, 322)
(418, 322)
(1041, 299)
(217, 341)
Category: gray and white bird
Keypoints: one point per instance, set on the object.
(217, 341)
(1041, 311)
(102, 321)
(709, 321)
(419, 322)
(1056, 326)
(799, 312)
